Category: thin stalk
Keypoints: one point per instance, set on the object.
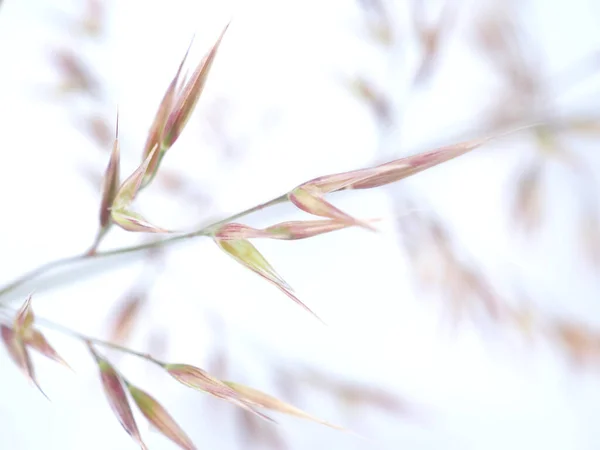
(40, 270)
(204, 231)
(98, 239)
(69, 332)
(85, 338)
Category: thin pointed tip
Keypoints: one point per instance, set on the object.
(315, 315)
(226, 27)
(40, 389)
(191, 42)
(365, 225)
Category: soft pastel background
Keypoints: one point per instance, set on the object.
(278, 111)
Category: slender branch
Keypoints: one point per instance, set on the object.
(40, 271)
(68, 331)
(204, 231)
(281, 199)
(98, 239)
(83, 337)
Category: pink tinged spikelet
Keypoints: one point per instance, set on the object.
(111, 181)
(312, 201)
(175, 109)
(134, 222)
(293, 230)
(304, 229)
(38, 342)
(30, 337)
(160, 418)
(120, 212)
(402, 168)
(187, 97)
(24, 318)
(131, 186)
(117, 397)
(233, 231)
(267, 401)
(18, 352)
(338, 181)
(309, 196)
(199, 379)
(388, 172)
(246, 254)
(8, 338)
(155, 136)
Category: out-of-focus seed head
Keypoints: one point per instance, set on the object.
(590, 236)
(528, 201)
(126, 315)
(375, 98)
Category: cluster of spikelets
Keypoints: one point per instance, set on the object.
(233, 238)
(22, 336)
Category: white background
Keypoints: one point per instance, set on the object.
(284, 59)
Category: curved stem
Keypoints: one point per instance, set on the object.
(204, 231)
(40, 271)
